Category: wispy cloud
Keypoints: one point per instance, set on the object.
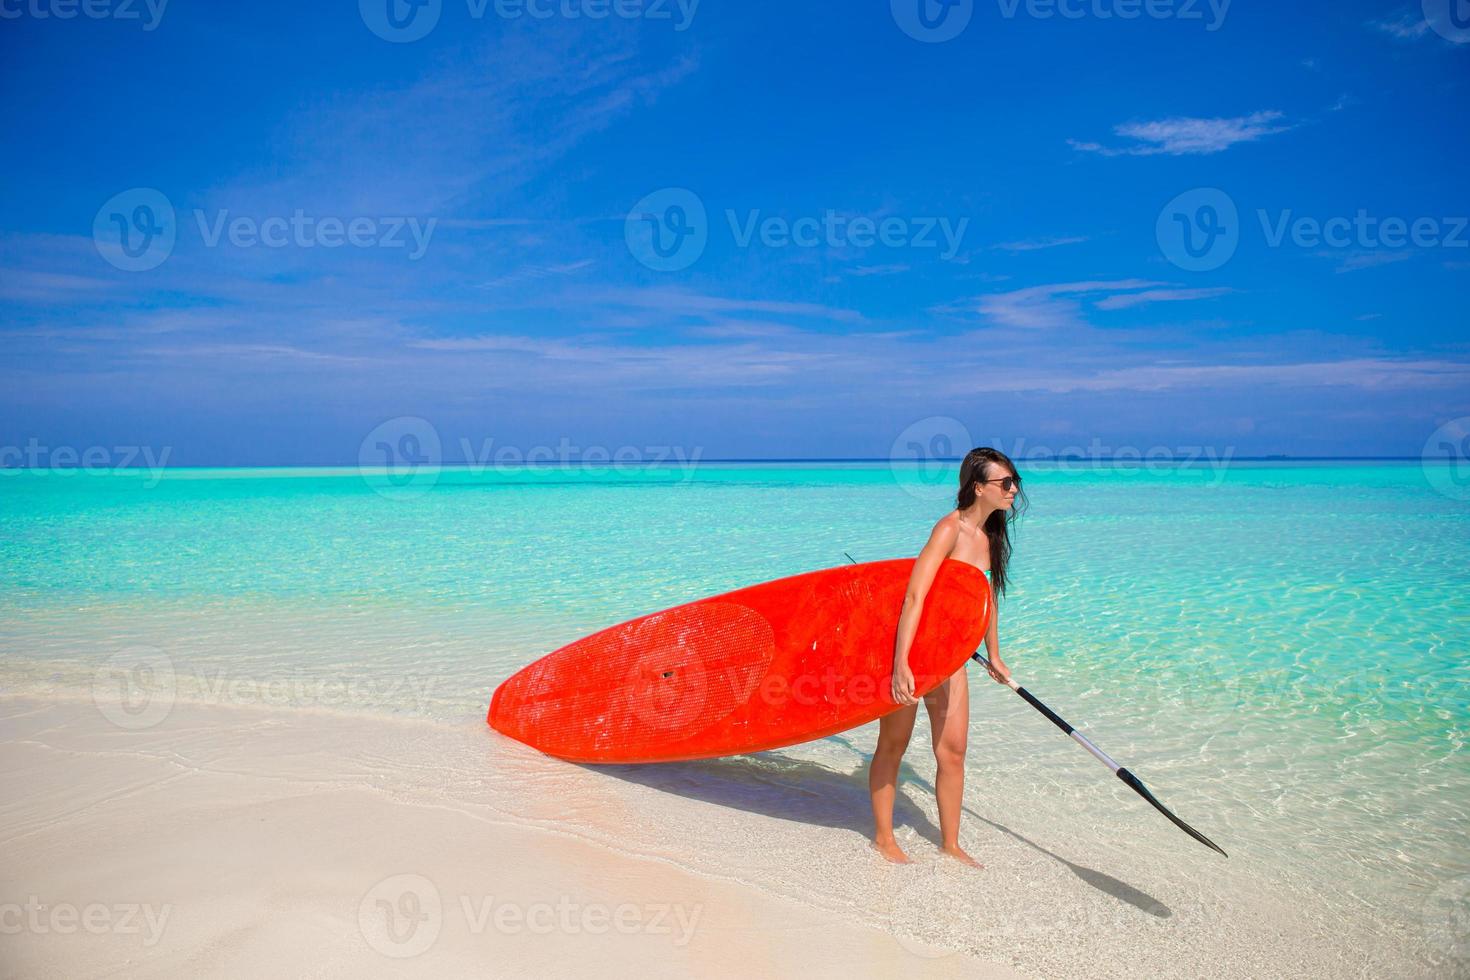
(539, 361)
(1062, 305)
(534, 272)
(727, 329)
(487, 120)
(1180, 136)
(270, 352)
(879, 270)
(1367, 373)
(1123, 301)
(1034, 244)
(675, 300)
(1353, 261)
(1405, 27)
(36, 284)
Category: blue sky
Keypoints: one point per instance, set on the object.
(1033, 177)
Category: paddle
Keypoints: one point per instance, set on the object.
(1130, 780)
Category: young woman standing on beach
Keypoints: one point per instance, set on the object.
(976, 532)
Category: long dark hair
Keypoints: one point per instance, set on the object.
(984, 463)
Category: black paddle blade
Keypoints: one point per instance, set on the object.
(1142, 791)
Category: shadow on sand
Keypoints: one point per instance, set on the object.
(776, 785)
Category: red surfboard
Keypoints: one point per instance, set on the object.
(759, 668)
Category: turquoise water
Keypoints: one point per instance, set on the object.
(1278, 649)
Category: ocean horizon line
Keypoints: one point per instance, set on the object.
(553, 464)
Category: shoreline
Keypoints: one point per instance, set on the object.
(289, 819)
(183, 849)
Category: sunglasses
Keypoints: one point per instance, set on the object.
(1006, 483)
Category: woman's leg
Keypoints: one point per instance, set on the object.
(949, 722)
(894, 730)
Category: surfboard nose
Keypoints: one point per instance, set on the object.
(637, 685)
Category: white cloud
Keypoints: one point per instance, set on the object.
(532, 272)
(1406, 27)
(1123, 301)
(1353, 261)
(1180, 136)
(1060, 305)
(879, 270)
(1369, 373)
(38, 285)
(673, 300)
(484, 122)
(1034, 244)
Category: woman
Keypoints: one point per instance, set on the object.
(977, 532)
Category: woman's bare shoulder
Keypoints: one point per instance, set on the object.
(946, 529)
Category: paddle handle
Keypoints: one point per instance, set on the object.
(1010, 681)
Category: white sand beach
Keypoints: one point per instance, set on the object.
(239, 842)
(249, 841)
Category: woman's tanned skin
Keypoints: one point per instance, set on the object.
(957, 535)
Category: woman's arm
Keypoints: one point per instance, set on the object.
(998, 668)
(926, 566)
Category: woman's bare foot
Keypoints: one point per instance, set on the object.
(890, 850)
(958, 853)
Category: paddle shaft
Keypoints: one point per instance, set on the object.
(1056, 719)
(1130, 780)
